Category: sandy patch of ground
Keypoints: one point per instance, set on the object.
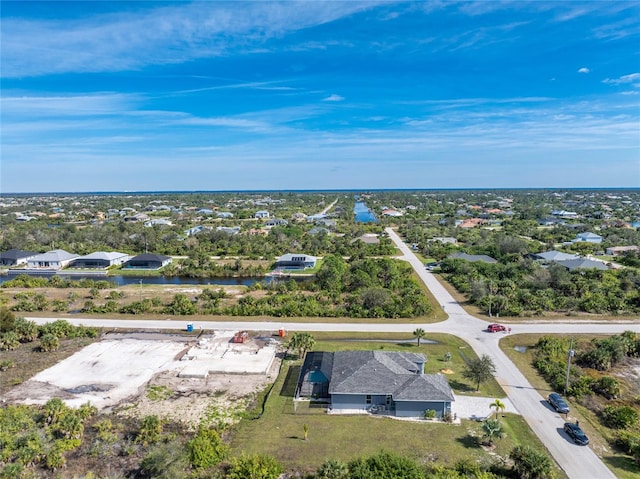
(138, 374)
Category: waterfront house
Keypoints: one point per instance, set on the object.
(296, 261)
(55, 259)
(100, 259)
(148, 261)
(380, 382)
(15, 257)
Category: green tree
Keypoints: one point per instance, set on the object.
(256, 466)
(181, 305)
(479, 370)
(530, 463)
(419, 334)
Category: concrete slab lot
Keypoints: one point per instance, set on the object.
(111, 371)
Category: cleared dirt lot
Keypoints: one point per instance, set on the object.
(139, 374)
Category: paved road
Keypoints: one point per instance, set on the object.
(578, 462)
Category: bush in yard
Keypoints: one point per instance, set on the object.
(150, 430)
(26, 330)
(49, 342)
(206, 449)
(165, 461)
(430, 414)
(530, 463)
(257, 466)
(9, 341)
(385, 465)
(619, 417)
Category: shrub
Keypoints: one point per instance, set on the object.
(206, 449)
(530, 463)
(619, 417)
(49, 342)
(607, 386)
(9, 341)
(430, 414)
(257, 466)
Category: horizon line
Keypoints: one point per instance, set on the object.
(320, 190)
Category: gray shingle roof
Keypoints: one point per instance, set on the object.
(555, 256)
(386, 373)
(55, 256)
(16, 254)
(582, 263)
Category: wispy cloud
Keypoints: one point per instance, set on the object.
(632, 77)
(584, 70)
(333, 97)
(158, 35)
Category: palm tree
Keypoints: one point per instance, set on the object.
(499, 405)
(419, 333)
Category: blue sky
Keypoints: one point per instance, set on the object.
(141, 96)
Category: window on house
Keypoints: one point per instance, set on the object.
(368, 399)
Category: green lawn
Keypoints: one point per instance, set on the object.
(279, 431)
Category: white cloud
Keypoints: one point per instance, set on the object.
(333, 97)
(584, 70)
(156, 35)
(623, 79)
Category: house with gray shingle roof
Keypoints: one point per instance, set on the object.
(101, 259)
(553, 256)
(55, 259)
(14, 257)
(582, 263)
(382, 382)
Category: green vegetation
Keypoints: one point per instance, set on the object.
(604, 401)
(479, 370)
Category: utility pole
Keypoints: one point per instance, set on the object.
(490, 295)
(141, 291)
(566, 381)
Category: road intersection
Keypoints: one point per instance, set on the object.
(577, 462)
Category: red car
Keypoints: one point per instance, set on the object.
(496, 328)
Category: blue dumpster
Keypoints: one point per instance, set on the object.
(189, 327)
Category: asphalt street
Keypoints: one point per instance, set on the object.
(578, 462)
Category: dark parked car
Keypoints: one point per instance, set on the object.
(574, 431)
(558, 403)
